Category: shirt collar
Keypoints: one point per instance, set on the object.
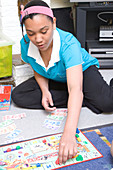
(34, 52)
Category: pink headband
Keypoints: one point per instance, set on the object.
(37, 9)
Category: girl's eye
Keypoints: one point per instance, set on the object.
(30, 34)
(44, 32)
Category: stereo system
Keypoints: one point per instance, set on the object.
(106, 33)
(103, 52)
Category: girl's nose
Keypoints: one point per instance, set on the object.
(38, 38)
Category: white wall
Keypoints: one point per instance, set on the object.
(9, 20)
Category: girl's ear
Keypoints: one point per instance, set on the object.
(54, 23)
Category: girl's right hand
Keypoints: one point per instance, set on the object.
(47, 101)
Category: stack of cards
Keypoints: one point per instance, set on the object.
(5, 97)
(55, 118)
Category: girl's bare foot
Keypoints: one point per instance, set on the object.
(112, 148)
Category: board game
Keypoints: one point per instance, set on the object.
(42, 153)
(5, 97)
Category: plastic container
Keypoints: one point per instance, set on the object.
(5, 56)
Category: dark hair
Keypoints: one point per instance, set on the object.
(33, 3)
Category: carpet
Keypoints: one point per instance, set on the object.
(101, 137)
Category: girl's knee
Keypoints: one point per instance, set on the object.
(16, 98)
(108, 105)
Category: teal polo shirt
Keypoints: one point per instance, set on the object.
(66, 53)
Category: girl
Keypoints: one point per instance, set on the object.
(63, 73)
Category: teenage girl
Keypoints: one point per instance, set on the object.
(65, 75)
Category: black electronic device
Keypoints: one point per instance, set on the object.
(106, 33)
(103, 52)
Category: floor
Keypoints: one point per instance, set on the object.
(32, 125)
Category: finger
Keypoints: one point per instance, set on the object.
(65, 155)
(49, 109)
(47, 106)
(60, 154)
(51, 102)
(71, 153)
(75, 151)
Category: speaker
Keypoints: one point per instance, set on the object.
(64, 19)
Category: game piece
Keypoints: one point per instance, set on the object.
(57, 161)
(18, 147)
(43, 153)
(38, 165)
(8, 150)
(77, 136)
(77, 131)
(79, 140)
(44, 141)
(79, 158)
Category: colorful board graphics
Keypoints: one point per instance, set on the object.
(42, 153)
(5, 97)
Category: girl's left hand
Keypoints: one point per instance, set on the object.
(67, 147)
(47, 101)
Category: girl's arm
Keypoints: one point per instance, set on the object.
(68, 146)
(46, 95)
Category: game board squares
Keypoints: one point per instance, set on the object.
(39, 147)
(48, 166)
(69, 162)
(10, 157)
(52, 138)
(85, 156)
(94, 154)
(1, 151)
(18, 147)
(26, 144)
(58, 136)
(7, 149)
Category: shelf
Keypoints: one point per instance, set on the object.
(98, 44)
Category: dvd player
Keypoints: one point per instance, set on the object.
(106, 33)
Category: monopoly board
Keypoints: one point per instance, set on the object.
(5, 97)
(42, 153)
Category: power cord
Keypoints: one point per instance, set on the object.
(109, 21)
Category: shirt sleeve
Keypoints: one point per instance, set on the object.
(24, 50)
(72, 54)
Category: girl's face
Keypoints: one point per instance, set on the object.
(40, 31)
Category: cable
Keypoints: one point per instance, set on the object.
(102, 18)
